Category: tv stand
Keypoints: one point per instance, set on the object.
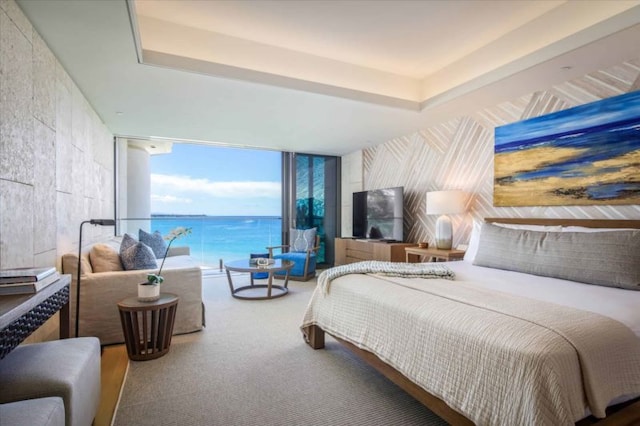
(349, 250)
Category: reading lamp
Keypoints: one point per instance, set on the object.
(100, 222)
(445, 203)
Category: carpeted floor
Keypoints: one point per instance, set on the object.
(250, 366)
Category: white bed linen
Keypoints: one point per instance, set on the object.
(368, 312)
(619, 304)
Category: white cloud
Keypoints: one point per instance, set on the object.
(169, 199)
(175, 183)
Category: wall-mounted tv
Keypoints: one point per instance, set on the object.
(377, 214)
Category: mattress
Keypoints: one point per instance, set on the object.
(618, 304)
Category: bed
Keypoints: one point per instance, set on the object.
(501, 346)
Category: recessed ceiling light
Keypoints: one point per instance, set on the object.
(567, 68)
(119, 113)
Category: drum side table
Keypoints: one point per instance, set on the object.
(148, 326)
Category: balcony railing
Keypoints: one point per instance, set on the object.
(214, 239)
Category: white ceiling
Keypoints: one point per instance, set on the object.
(325, 77)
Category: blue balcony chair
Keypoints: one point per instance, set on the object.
(302, 251)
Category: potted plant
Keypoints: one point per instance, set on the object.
(149, 291)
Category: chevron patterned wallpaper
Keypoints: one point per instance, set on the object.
(458, 154)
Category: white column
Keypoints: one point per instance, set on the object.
(352, 181)
(138, 189)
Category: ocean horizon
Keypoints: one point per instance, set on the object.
(226, 238)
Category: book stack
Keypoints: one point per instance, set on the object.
(26, 280)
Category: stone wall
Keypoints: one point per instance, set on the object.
(56, 155)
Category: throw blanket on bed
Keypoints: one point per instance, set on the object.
(496, 358)
(389, 269)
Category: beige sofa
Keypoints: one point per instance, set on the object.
(101, 291)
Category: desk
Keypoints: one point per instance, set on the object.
(415, 254)
(22, 314)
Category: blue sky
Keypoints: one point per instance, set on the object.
(216, 181)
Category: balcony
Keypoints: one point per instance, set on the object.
(214, 239)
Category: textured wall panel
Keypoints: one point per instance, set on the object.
(458, 154)
(56, 156)
(44, 189)
(16, 106)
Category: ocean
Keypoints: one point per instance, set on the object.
(227, 238)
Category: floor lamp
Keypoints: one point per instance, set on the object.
(100, 222)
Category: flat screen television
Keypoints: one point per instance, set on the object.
(377, 214)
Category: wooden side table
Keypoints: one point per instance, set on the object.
(148, 326)
(415, 254)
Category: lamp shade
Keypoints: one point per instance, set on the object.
(446, 202)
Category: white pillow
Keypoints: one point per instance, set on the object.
(540, 228)
(470, 254)
(474, 241)
(585, 229)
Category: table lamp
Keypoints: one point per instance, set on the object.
(445, 203)
(97, 222)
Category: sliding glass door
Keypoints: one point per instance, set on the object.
(311, 188)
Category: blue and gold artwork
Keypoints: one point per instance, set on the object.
(586, 155)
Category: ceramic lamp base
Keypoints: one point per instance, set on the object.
(444, 233)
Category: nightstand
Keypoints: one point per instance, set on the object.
(416, 255)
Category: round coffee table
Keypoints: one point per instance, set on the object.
(259, 291)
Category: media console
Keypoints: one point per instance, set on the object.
(349, 250)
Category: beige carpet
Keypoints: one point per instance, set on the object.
(250, 366)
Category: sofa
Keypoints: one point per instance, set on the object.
(101, 291)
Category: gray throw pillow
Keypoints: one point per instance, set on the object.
(302, 239)
(127, 241)
(138, 256)
(603, 258)
(155, 241)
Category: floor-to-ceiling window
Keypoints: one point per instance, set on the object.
(229, 197)
(311, 197)
(237, 201)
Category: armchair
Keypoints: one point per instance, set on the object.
(302, 251)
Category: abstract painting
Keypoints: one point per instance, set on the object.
(586, 155)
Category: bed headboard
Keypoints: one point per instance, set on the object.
(589, 223)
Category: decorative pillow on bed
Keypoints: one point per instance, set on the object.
(604, 258)
(470, 254)
(155, 241)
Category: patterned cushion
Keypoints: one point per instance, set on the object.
(155, 241)
(127, 241)
(138, 256)
(605, 258)
(302, 239)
